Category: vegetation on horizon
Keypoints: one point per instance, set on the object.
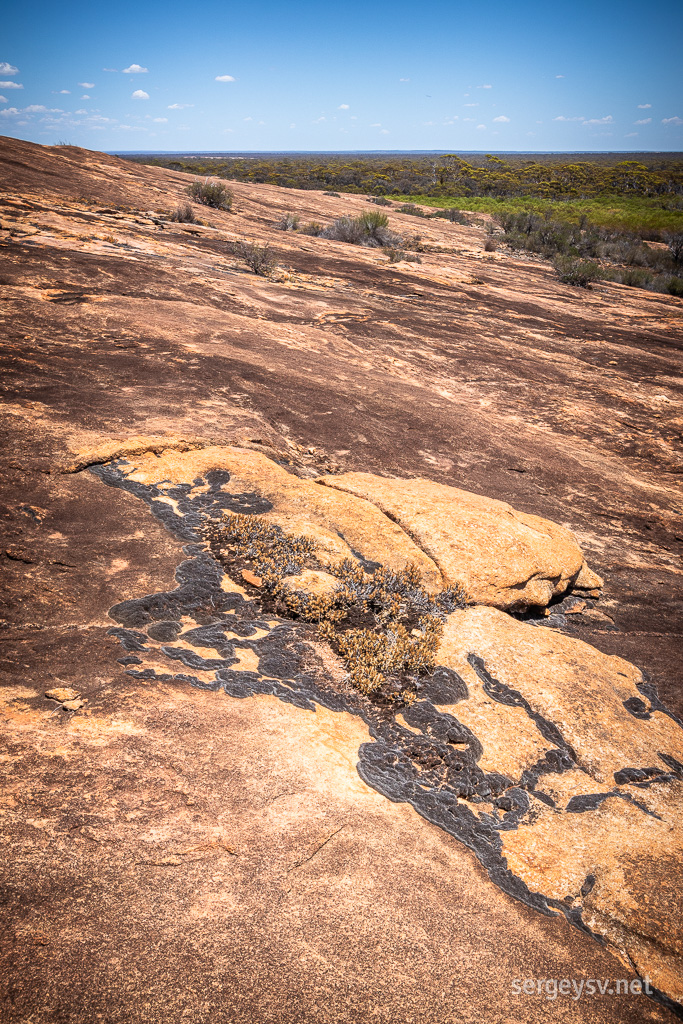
(640, 191)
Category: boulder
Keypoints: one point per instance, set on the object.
(501, 557)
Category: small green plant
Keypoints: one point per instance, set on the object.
(571, 270)
(211, 193)
(288, 222)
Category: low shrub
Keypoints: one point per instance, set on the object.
(312, 228)
(571, 270)
(288, 222)
(489, 245)
(335, 195)
(675, 244)
(451, 214)
(211, 193)
(667, 284)
(631, 276)
(258, 258)
(379, 201)
(411, 209)
(369, 229)
(183, 214)
(413, 242)
(401, 256)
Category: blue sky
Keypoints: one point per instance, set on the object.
(577, 76)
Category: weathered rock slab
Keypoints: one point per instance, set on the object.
(501, 557)
(603, 830)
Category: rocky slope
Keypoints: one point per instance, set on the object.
(175, 853)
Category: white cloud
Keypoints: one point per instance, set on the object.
(560, 76)
(64, 92)
(631, 135)
(502, 119)
(81, 111)
(8, 69)
(161, 120)
(468, 119)
(672, 120)
(134, 69)
(318, 120)
(87, 85)
(600, 120)
(9, 112)
(644, 120)
(484, 87)
(3, 99)
(139, 94)
(644, 106)
(470, 104)
(224, 78)
(180, 106)
(111, 69)
(247, 118)
(481, 127)
(228, 131)
(85, 97)
(404, 79)
(563, 118)
(377, 124)
(35, 108)
(343, 106)
(385, 132)
(10, 85)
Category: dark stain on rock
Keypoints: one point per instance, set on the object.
(432, 764)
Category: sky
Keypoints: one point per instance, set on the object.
(218, 76)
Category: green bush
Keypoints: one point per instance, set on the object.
(411, 209)
(369, 229)
(211, 193)
(452, 214)
(571, 270)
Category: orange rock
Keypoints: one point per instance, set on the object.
(250, 577)
(62, 694)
